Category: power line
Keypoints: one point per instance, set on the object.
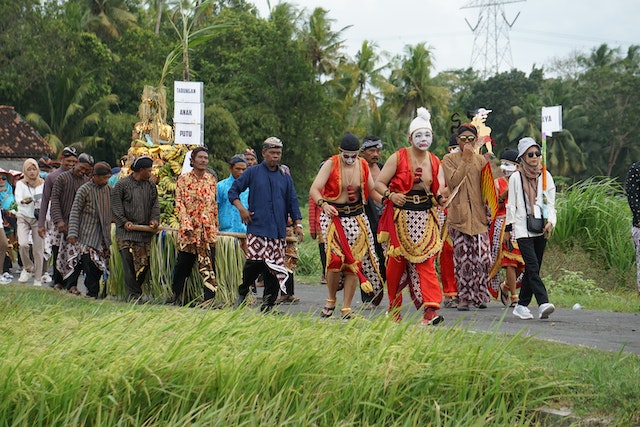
(491, 45)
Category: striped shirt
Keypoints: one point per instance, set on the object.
(46, 195)
(135, 201)
(64, 191)
(90, 218)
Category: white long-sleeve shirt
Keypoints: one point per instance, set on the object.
(24, 191)
(517, 208)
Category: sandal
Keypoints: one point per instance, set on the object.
(288, 299)
(347, 313)
(503, 295)
(514, 301)
(328, 311)
(74, 291)
(451, 303)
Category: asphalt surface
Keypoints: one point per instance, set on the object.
(589, 328)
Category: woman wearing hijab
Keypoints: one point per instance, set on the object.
(28, 195)
(531, 216)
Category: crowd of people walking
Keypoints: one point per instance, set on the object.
(415, 221)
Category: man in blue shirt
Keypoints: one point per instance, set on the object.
(228, 215)
(272, 198)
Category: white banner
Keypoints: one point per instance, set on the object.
(188, 112)
(188, 92)
(189, 134)
(551, 119)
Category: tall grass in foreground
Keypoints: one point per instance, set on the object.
(595, 214)
(71, 362)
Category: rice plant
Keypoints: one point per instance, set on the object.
(595, 214)
(70, 362)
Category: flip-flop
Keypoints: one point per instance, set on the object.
(503, 296)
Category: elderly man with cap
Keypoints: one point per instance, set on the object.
(230, 220)
(63, 193)
(134, 201)
(68, 160)
(467, 219)
(411, 182)
(90, 228)
(197, 212)
(531, 215)
(272, 200)
(340, 189)
(370, 151)
(250, 156)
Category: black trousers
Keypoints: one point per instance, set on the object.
(57, 277)
(182, 270)
(72, 280)
(532, 250)
(132, 284)
(92, 276)
(252, 269)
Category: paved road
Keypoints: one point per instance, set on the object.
(597, 329)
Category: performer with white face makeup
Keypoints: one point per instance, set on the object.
(411, 182)
(341, 187)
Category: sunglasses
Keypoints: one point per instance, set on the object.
(534, 153)
(467, 138)
(3, 178)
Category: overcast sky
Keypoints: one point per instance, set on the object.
(543, 30)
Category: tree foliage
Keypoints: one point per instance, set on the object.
(64, 64)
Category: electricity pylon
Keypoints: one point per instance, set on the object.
(491, 46)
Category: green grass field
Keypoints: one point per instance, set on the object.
(73, 362)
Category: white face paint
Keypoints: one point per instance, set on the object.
(507, 168)
(422, 139)
(349, 157)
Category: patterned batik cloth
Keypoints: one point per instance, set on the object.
(418, 242)
(360, 238)
(70, 255)
(272, 252)
(205, 263)
(471, 255)
(140, 252)
(502, 256)
(291, 252)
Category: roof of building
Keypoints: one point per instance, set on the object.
(18, 139)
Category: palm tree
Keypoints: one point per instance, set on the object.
(360, 78)
(323, 45)
(106, 17)
(411, 85)
(72, 115)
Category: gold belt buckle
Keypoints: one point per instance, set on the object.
(348, 210)
(416, 199)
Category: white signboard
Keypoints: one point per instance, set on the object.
(189, 134)
(188, 92)
(188, 112)
(551, 119)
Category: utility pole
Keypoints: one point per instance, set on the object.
(491, 46)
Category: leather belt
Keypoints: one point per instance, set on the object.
(349, 210)
(417, 201)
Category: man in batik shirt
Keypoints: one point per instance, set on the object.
(272, 200)
(197, 212)
(90, 227)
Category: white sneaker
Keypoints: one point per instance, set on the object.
(24, 276)
(45, 278)
(37, 283)
(545, 310)
(4, 280)
(7, 275)
(522, 312)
